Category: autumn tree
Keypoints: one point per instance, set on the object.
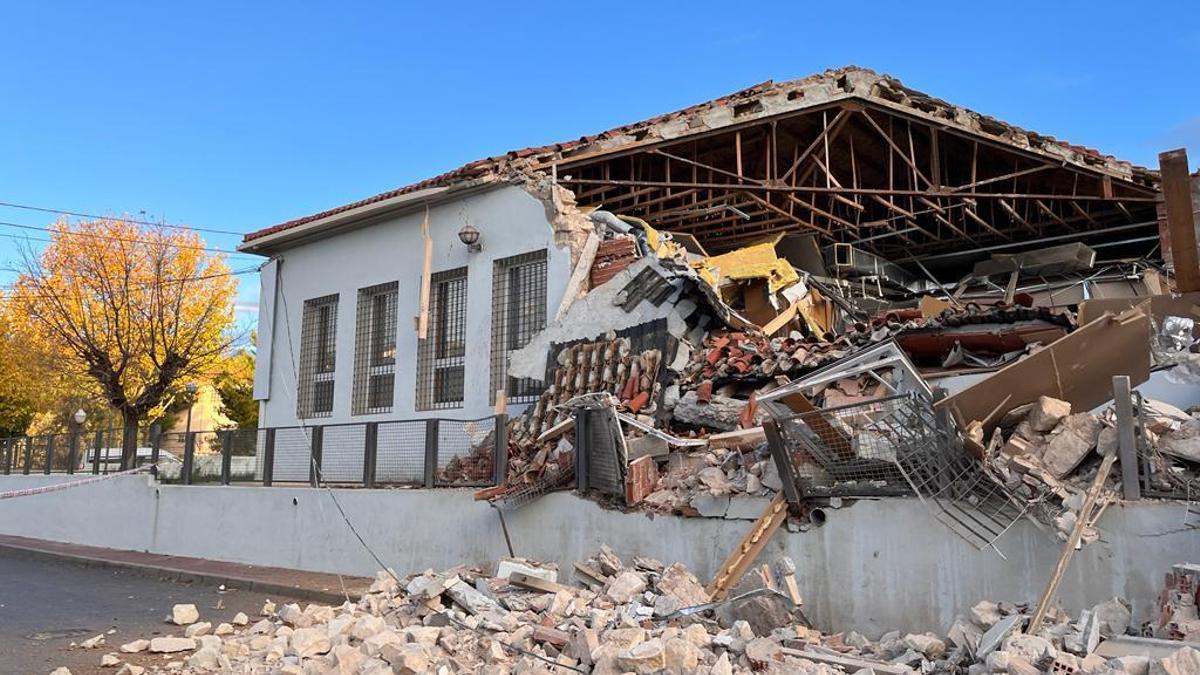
(235, 384)
(36, 393)
(138, 308)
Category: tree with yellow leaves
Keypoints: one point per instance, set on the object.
(138, 307)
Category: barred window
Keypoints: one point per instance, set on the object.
(318, 357)
(518, 311)
(375, 350)
(440, 366)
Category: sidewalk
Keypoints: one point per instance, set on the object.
(315, 586)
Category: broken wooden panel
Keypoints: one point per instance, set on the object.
(1077, 368)
(1186, 305)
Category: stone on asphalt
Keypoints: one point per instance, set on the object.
(182, 615)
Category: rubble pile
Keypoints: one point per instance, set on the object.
(733, 355)
(1047, 455)
(638, 616)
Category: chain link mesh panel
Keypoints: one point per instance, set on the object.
(466, 452)
(400, 453)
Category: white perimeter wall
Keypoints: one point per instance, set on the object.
(875, 565)
(510, 221)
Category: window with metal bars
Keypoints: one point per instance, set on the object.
(318, 357)
(440, 366)
(518, 311)
(375, 350)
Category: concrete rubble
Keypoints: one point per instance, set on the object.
(634, 616)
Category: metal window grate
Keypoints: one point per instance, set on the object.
(375, 350)
(440, 365)
(318, 352)
(518, 312)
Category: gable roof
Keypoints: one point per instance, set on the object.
(767, 99)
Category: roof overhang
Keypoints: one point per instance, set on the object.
(362, 216)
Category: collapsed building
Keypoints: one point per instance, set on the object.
(797, 295)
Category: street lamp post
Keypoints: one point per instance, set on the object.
(78, 418)
(191, 390)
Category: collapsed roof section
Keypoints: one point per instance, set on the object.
(848, 155)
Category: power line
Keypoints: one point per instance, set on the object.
(168, 282)
(92, 235)
(80, 214)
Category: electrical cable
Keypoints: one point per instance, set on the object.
(92, 235)
(79, 214)
(14, 292)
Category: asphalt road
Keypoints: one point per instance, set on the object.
(45, 605)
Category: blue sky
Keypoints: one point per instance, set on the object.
(236, 116)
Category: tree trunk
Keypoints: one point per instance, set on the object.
(129, 439)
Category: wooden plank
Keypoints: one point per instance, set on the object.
(834, 438)
(1181, 227)
(782, 319)
(1077, 368)
(737, 438)
(849, 664)
(1068, 550)
(522, 580)
(426, 273)
(583, 268)
(749, 548)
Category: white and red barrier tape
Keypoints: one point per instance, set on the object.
(76, 483)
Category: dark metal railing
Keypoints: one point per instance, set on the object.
(434, 452)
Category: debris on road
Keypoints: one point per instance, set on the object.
(643, 616)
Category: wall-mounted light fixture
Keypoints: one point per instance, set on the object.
(470, 236)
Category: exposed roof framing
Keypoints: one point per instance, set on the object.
(847, 154)
(855, 169)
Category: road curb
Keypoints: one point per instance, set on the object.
(189, 576)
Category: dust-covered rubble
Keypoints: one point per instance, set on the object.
(639, 616)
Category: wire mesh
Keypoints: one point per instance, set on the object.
(897, 442)
(527, 493)
(318, 357)
(440, 356)
(342, 450)
(518, 312)
(466, 452)
(293, 450)
(375, 350)
(400, 453)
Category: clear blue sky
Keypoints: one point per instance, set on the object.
(240, 115)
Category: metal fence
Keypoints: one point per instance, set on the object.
(431, 452)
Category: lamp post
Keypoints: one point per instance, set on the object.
(191, 390)
(78, 418)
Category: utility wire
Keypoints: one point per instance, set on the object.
(79, 214)
(92, 235)
(165, 282)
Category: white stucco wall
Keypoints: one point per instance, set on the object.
(510, 221)
(876, 565)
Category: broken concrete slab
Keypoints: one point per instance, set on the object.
(996, 635)
(746, 507)
(1072, 440)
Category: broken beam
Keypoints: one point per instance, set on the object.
(749, 548)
